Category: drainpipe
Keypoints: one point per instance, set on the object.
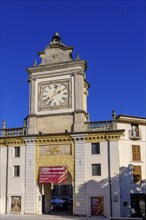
(109, 173)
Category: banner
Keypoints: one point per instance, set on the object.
(53, 174)
(97, 206)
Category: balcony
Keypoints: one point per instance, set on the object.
(12, 132)
(135, 134)
(99, 126)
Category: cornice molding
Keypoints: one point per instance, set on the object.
(11, 142)
(61, 138)
(97, 138)
(56, 66)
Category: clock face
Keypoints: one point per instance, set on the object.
(55, 95)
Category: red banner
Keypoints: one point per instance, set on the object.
(97, 205)
(53, 174)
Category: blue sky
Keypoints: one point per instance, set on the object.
(109, 35)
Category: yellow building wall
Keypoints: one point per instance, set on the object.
(55, 151)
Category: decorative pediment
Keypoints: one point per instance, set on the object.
(56, 52)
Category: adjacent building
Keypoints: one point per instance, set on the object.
(132, 164)
(60, 158)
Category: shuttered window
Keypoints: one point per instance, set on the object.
(137, 174)
(136, 153)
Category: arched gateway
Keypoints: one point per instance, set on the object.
(55, 187)
(55, 174)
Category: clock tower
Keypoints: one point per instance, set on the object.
(58, 91)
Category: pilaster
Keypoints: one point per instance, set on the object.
(32, 124)
(80, 182)
(30, 183)
(3, 180)
(79, 104)
(32, 95)
(32, 106)
(79, 90)
(79, 121)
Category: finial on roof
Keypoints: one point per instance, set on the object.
(35, 63)
(113, 114)
(3, 124)
(56, 38)
(77, 57)
(87, 117)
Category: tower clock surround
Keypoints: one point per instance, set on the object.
(55, 95)
(58, 91)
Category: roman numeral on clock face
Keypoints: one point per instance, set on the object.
(64, 98)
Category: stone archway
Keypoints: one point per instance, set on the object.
(56, 190)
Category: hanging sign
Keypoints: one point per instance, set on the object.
(53, 174)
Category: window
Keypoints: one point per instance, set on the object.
(95, 148)
(138, 204)
(136, 153)
(134, 127)
(96, 169)
(137, 174)
(16, 151)
(16, 171)
(134, 130)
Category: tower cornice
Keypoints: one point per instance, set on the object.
(57, 66)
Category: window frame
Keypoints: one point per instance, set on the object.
(16, 153)
(96, 172)
(135, 131)
(97, 151)
(16, 173)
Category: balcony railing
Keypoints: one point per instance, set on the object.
(89, 126)
(12, 132)
(135, 134)
(99, 126)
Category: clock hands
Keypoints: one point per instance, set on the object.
(50, 99)
(57, 87)
(58, 92)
